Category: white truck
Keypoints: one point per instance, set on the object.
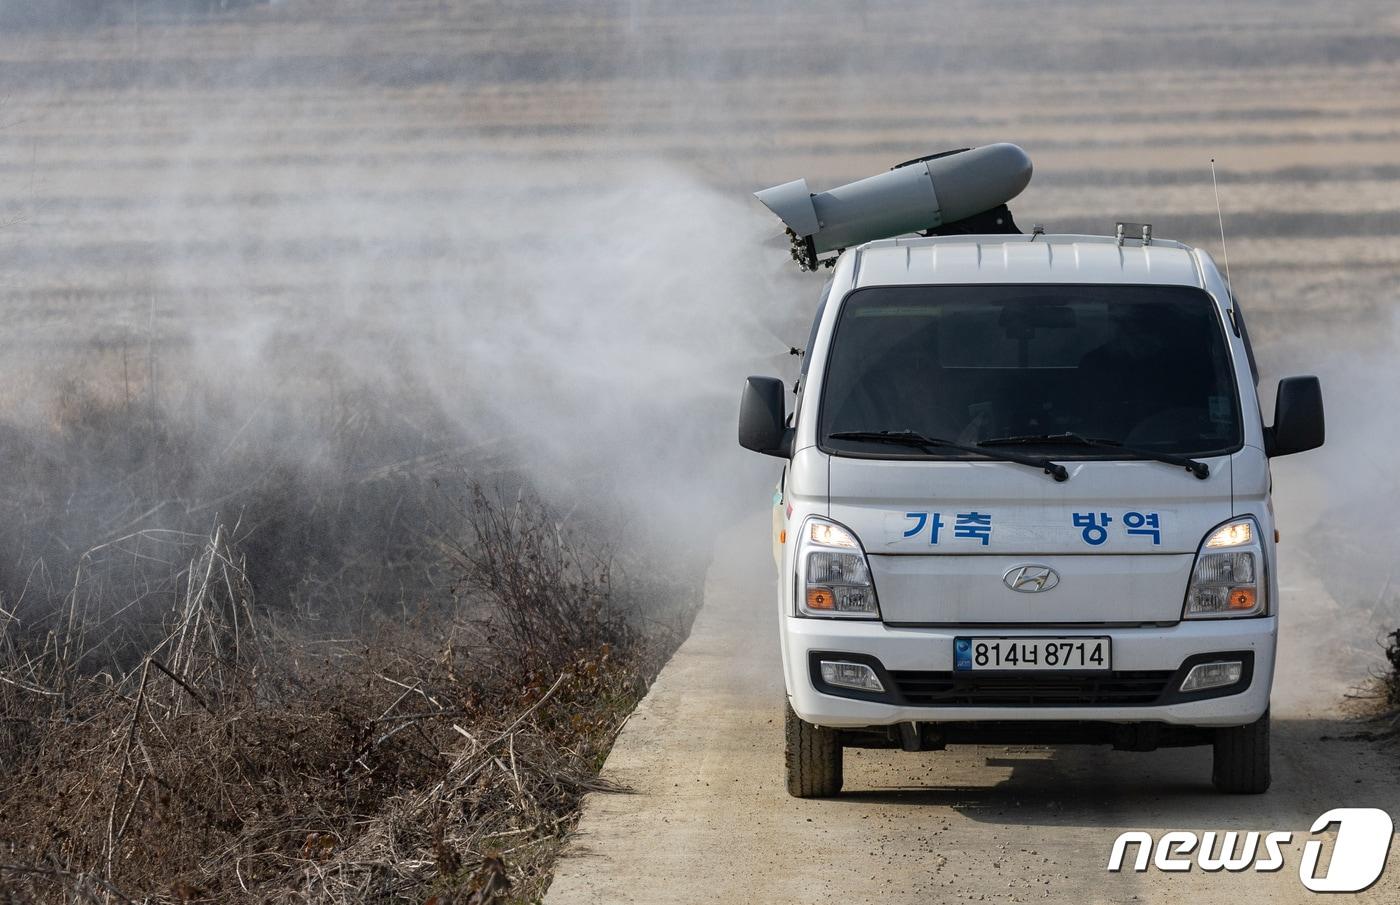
(1026, 493)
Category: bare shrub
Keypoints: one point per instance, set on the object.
(552, 588)
(232, 751)
(1390, 680)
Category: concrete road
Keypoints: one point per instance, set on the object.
(709, 820)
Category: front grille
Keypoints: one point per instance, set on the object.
(1109, 689)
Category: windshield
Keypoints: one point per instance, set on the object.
(1142, 366)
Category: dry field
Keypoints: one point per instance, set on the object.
(303, 269)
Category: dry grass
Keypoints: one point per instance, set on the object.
(1378, 700)
(1375, 702)
(1391, 680)
(176, 728)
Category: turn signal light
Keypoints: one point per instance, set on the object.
(820, 599)
(1241, 598)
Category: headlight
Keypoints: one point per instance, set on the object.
(1228, 577)
(834, 577)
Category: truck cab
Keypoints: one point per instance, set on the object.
(1026, 499)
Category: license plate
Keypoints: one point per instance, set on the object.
(1031, 654)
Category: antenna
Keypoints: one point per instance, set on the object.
(1221, 217)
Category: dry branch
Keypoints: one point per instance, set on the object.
(282, 765)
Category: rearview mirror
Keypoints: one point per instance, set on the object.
(761, 421)
(1298, 420)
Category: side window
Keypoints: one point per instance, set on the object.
(1244, 335)
(816, 322)
(807, 353)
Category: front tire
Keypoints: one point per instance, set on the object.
(1242, 758)
(813, 758)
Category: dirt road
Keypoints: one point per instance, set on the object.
(709, 819)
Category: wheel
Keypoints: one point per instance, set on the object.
(813, 756)
(1242, 758)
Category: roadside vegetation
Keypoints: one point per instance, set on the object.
(1391, 679)
(1375, 702)
(1386, 694)
(226, 676)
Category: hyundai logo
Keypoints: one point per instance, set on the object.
(1030, 579)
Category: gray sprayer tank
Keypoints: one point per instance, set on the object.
(920, 195)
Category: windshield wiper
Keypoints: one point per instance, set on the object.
(918, 440)
(1197, 468)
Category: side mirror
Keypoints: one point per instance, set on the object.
(1298, 421)
(761, 422)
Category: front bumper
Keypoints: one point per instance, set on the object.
(1151, 648)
